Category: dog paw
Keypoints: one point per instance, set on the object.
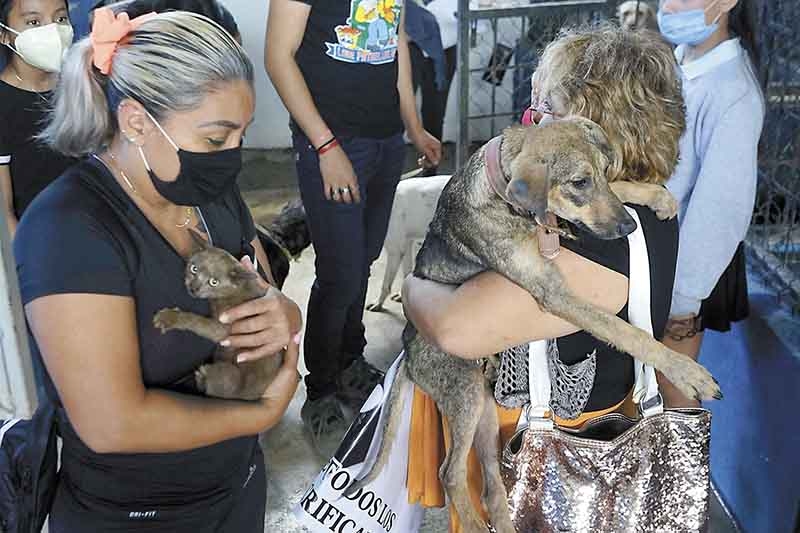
(693, 380)
(665, 205)
(397, 297)
(375, 308)
(166, 319)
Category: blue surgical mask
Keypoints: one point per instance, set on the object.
(686, 27)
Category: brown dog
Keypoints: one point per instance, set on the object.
(486, 220)
(637, 15)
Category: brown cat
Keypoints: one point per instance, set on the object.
(214, 274)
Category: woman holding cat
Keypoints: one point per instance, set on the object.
(157, 107)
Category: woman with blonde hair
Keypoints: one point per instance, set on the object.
(156, 107)
(628, 84)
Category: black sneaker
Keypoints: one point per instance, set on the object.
(356, 383)
(325, 423)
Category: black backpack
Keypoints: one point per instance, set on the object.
(28, 470)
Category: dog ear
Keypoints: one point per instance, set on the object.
(597, 136)
(198, 242)
(530, 190)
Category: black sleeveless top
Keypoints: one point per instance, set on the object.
(83, 234)
(614, 376)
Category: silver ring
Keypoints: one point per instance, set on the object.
(343, 190)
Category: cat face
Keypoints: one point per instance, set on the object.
(214, 273)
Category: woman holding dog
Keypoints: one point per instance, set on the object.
(156, 107)
(627, 83)
(715, 181)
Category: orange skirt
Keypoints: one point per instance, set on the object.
(428, 439)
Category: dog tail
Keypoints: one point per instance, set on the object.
(395, 406)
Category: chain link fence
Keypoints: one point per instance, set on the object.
(499, 49)
(774, 237)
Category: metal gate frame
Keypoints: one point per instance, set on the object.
(552, 14)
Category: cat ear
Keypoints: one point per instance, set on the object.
(241, 273)
(198, 242)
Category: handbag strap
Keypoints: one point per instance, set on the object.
(645, 391)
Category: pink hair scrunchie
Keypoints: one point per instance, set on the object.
(107, 32)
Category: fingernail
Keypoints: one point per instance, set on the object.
(297, 338)
(242, 357)
(226, 342)
(223, 318)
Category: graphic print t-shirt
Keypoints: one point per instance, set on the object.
(348, 58)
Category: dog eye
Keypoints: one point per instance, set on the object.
(193, 269)
(213, 282)
(580, 183)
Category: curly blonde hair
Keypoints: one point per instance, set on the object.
(629, 84)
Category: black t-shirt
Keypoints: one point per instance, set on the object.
(32, 164)
(614, 376)
(348, 59)
(83, 234)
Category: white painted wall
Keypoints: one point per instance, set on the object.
(271, 128)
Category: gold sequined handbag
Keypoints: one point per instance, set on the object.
(615, 474)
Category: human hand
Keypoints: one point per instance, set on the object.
(428, 145)
(338, 177)
(260, 327)
(284, 384)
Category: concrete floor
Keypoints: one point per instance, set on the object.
(268, 182)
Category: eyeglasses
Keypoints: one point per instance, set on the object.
(545, 108)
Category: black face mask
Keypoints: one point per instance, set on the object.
(203, 176)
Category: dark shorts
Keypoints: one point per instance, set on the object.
(728, 302)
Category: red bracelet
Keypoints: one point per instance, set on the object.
(330, 145)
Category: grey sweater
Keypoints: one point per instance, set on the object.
(715, 180)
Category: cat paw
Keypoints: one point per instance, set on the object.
(166, 319)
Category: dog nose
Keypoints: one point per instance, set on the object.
(626, 227)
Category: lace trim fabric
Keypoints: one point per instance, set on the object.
(570, 386)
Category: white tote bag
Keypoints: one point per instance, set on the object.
(381, 506)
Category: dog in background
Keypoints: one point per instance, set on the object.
(414, 204)
(637, 15)
(285, 238)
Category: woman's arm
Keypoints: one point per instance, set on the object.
(90, 348)
(426, 143)
(8, 196)
(720, 207)
(285, 29)
(489, 313)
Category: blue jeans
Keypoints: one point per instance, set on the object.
(347, 238)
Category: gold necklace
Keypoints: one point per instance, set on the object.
(188, 219)
(121, 172)
(19, 79)
(189, 210)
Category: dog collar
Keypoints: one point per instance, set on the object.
(547, 230)
(494, 170)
